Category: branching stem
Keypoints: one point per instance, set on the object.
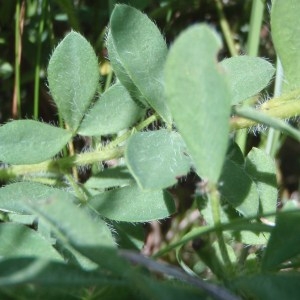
(64, 164)
(283, 107)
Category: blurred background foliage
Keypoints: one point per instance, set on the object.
(30, 29)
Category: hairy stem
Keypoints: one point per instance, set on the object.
(283, 107)
(65, 164)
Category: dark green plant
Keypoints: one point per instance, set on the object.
(78, 240)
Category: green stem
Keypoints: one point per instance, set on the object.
(214, 198)
(256, 19)
(273, 137)
(127, 134)
(283, 107)
(43, 8)
(64, 164)
(241, 139)
(79, 193)
(108, 79)
(236, 225)
(226, 29)
(260, 117)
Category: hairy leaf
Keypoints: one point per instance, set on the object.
(247, 76)
(13, 197)
(89, 235)
(157, 158)
(73, 77)
(29, 142)
(137, 51)
(18, 240)
(54, 274)
(199, 98)
(113, 111)
(132, 204)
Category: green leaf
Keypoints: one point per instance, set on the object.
(269, 286)
(114, 110)
(129, 235)
(108, 178)
(284, 242)
(13, 197)
(122, 75)
(137, 52)
(156, 158)
(286, 38)
(238, 189)
(29, 142)
(247, 76)
(235, 154)
(261, 168)
(56, 211)
(76, 227)
(132, 204)
(199, 98)
(20, 241)
(73, 77)
(15, 271)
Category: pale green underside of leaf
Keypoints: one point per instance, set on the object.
(29, 142)
(157, 158)
(73, 77)
(137, 51)
(132, 204)
(18, 240)
(199, 98)
(247, 76)
(286, 38)
(114, 110)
